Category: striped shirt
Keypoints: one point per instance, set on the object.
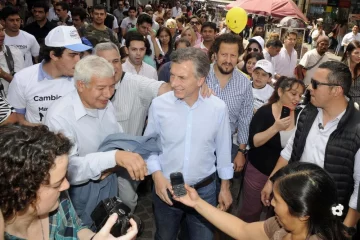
(237, 94)
(64, 224)
(5, 110)
(132, 99)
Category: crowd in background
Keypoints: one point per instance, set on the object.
(100, 99)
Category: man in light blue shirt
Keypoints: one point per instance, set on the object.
(192, 129)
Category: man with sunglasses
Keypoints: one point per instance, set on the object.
(313, 58)
(327, 134)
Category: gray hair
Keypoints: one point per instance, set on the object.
(104, 47)
(198, 57)
(92, 66)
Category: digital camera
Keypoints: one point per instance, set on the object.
(114, 205)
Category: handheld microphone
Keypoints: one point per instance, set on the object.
(320, 126)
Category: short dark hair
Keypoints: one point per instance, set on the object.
(27, 155)
(339, 73)
(274, 43)
(182, 40)
(42, 4)
(227, 38)
(79, 11)
(133, 36)
(132, 8)
(44, 53)
(208, 24)
(99, 7)
(63, 5)
(144, 18)
(8, 11)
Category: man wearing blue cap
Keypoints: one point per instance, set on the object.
(34, 89)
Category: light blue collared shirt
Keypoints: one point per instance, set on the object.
(190, 136)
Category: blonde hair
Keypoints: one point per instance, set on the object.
(193, 35)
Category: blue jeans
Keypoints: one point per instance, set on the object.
(167, 218)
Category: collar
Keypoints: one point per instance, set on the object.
(44, 75)
(202, 46)
(79, 109)
(129, 64)
(178, 100)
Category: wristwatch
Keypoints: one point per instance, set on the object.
(350, 230)
(243, 151)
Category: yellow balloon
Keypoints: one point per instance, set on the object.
(236, 19)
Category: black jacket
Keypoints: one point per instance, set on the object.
(340, 150)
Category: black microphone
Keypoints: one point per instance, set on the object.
(320, 126)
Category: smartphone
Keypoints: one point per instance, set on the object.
(285, 112)
(178, 184)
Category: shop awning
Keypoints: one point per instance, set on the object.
(274, 8)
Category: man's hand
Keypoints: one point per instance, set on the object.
(161, 187)
(133, 163)
(152, 34)
(225, 199)
(190, 199)
(266, 192)
(239, 162)
(206, 91)
(104, 233)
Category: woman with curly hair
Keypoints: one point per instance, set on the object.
(33, 197)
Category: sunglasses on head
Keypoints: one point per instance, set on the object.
(315, 84)
(252, 49)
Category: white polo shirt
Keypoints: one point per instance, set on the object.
(284, 63)
(32, 91)
(145, 70)
(132, 100)
(26, 43)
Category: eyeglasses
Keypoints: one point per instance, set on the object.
(315, 84)
(252, 49)
(194, 23)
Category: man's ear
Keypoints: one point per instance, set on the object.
(80, 86)
(201, 81)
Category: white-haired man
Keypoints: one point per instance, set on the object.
(87, 117)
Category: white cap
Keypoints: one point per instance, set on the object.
(320, 20)
(65, 36)
(259, 40)
(265, 65)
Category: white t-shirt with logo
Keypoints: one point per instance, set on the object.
(35, 94)
(261, 96)
(26, 43)
(128, 23)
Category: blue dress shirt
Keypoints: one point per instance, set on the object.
(190, 136)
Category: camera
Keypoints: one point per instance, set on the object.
(114, 205)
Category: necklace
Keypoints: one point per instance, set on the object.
(42, 229)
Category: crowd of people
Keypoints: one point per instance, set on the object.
(93, 102)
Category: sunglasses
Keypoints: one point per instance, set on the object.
(194, 23)
(252, 49)
(315, 84)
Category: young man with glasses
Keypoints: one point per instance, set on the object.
(313, 58)
(61, 10)
(327, 134)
